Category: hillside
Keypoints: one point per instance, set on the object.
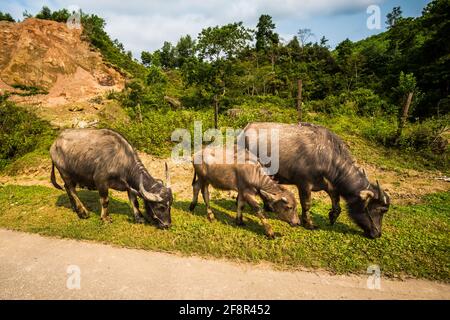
(47, 64)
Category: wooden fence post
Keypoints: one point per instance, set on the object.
(404, 115)
(299, 100)
(216, 111)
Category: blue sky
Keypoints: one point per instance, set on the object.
(146, 24)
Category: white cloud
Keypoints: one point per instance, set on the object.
(145, 25)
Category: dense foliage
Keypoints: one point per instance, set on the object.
(21, 132)
(6, 17)
(233, 61)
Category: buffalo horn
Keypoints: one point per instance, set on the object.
(381, 193)
(167, 175)
(148, 195)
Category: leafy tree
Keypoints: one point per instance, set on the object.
(393, 16)
(433, 74)
(61, 15)
(156, 76)
(6, 17)
(266, 37)
(184, 50)
(350, 63)
(323, 42)
(146, 58)
(27, 15)
(45, 13)
(223, 42)
(167, 55)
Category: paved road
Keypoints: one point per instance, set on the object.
(36, 267)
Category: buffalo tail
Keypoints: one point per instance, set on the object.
(53, 178)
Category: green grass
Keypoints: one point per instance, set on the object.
(28, 90)
(415, 239)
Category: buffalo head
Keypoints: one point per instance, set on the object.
(284, 204)
(367, 211)
(158, 199)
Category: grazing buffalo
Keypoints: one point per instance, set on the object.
(313, 158)
(99, 159)
(248, 179)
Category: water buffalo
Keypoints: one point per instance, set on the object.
(99, 159)
(313, 158)
(248, 179)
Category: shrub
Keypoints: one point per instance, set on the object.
(21, 132)
(156, 76)
(363, 102)
(427, 135)
(6, 17)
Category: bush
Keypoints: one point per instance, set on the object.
(28, 90)
(21, 132)
(156, 76)
(363, 102)
(427, 135)
(6, 17)
(332, 105)
(153, 134)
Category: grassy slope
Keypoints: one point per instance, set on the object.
(415, 240)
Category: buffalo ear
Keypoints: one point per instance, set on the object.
(366, 195)
(269, 196)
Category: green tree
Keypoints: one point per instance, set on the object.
(6, 17)
(265, 36)
(146, 58)
(167, 55)
(223, 42)
(61, 15)
(184, 50)
(350, 62)
(393, 17)
(45, 13)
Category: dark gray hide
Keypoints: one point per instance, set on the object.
(313, 158)
(99, 159)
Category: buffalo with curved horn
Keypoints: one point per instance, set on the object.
(314, 158)
(99, 159)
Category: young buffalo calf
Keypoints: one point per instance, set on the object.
(248, 179)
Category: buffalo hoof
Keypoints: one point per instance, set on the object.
(139, 220)
(83, 215)
(270, 236)
(240, 222)
(106, 219)
(192, 207)
(332, 215)
(309, 225)
(210, 214)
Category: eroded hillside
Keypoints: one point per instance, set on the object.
(63, 70)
